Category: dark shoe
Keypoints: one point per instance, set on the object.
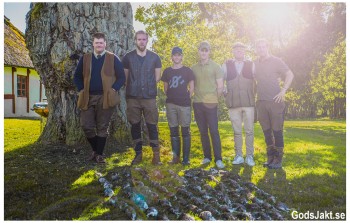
(138, 153)
(185, 163)
(156, 156)
(100, 159)
(92, 156)
(175, 160)
(137, 159)
(270, 152)
(277, 161)
(186, 147)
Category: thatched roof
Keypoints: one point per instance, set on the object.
(16, 53)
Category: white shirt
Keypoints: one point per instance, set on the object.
(103, 53)
(239, 66)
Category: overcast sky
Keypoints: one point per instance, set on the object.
(17, 11)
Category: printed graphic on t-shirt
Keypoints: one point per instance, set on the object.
(176, 81)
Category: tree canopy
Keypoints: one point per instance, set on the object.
(310, 37)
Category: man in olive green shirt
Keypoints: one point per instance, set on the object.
(208, 86)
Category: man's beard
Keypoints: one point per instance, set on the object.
(141, 49)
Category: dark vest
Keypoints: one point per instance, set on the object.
(141, 79)
(240, 87)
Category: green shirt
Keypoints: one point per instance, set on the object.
(205, 88)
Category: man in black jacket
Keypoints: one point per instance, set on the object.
(142, 68)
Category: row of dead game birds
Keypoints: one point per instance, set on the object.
(230, 199)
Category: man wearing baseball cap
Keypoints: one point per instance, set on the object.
(178, 87)
(207, 90)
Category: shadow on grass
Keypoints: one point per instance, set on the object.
(40, 177)
(310, 192)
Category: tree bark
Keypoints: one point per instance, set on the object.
(57, 35)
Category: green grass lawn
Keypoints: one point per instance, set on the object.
(51, 182)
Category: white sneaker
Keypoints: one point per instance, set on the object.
(238, 160)
(205, 161)
(250, 160)
(220, 164)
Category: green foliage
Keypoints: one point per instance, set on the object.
(324, 28)
(329, 83)
(303, 36)
(51, 182)
(182, 24)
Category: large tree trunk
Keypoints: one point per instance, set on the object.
(57, 35)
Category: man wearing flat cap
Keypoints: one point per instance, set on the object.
(240, 101)
(208, 87)
(178, 87)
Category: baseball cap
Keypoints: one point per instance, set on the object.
(176, 49)
(204, 45)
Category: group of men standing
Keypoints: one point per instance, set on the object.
(99, 76)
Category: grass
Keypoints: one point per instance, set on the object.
(49, 182)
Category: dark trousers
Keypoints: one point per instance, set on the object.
(206, 116)
(149, 110)
(95, 120)
(271, 118)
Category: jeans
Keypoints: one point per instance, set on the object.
(207, 118)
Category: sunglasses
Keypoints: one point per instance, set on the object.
(204, 50)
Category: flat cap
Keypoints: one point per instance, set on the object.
(238, 44)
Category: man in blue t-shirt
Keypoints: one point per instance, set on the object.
(178, 87)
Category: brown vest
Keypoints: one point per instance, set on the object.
(108, 75)
(240, 88)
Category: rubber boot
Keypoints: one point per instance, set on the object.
(92, 142)
(186, 147)
(175, 146)
(156, 156)
(270, 152)
(138, 154)
(277, 161)
(100, 145)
